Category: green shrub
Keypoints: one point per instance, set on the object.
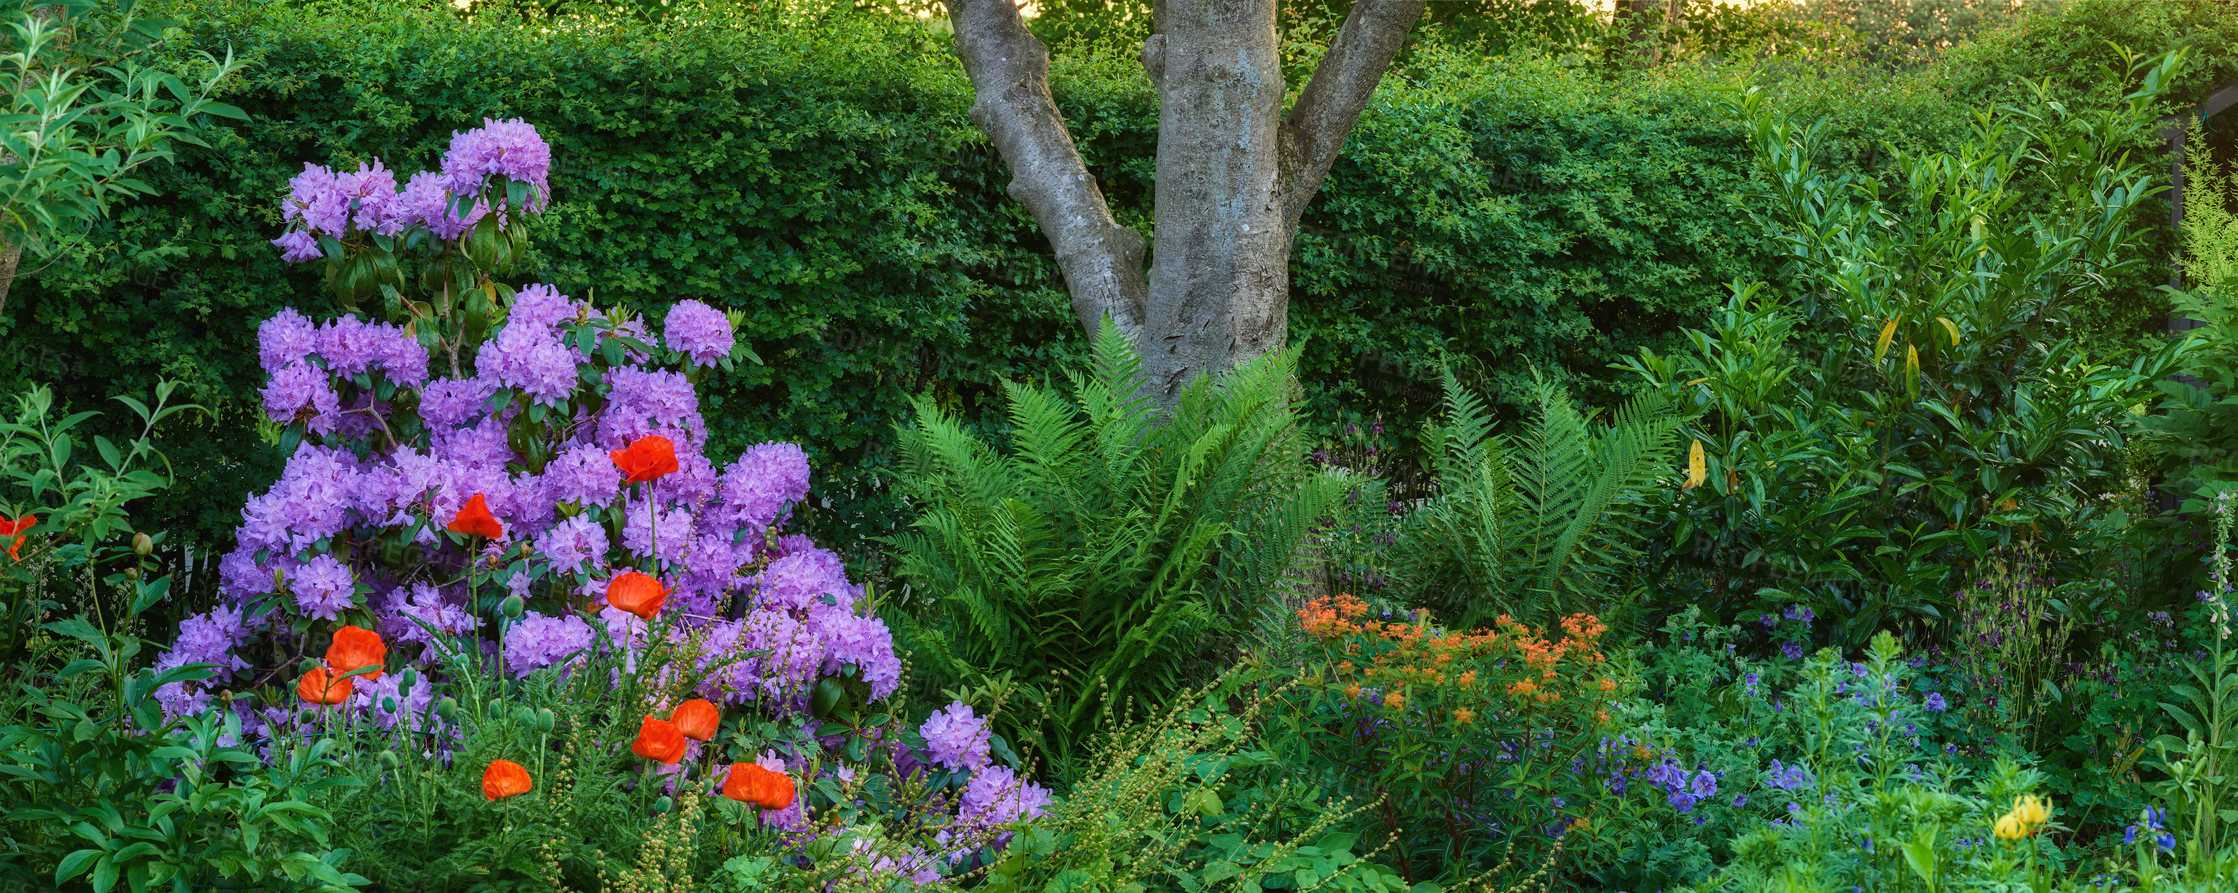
(1916, 398)
(1104, 550)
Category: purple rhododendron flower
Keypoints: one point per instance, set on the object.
(698, 331)
(957, 739)
(510, 149)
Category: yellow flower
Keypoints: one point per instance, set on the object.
(2010, 827)
(2031, 811)
(1696, 470)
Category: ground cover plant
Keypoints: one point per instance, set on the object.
(532, 532)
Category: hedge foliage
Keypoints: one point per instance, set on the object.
(820, 175)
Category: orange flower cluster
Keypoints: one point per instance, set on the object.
(353, 648)
(1398, 656)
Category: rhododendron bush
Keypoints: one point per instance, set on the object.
(503, 483)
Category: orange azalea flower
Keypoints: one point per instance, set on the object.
(321, 688)
(659, 740)
(354, 648)
(504, 778)
(649, 457)
(750, 783)
(474, 519)
(16, 529)
(696, 718)
(637, 594)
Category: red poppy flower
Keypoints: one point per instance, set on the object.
(750, 783)
(16, 529)
(354, 648)
(659, 740)
(322, 688)
(474, 519)
(636, 593)
(648, 458)
(696, 718)
(504, 778)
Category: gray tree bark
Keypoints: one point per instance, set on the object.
(1233, 172)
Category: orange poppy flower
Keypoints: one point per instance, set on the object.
(659, 740)
(474, 519)
(321, 688)
(504, 778)
(353, 648)
(649, 457)
(696, 718)
(16, 529)
(636, 593)
(750, 783)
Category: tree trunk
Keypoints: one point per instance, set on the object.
(1220, 256)
(1233, 172)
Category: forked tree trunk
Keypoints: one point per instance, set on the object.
(1233, 171)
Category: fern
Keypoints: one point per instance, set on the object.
(1106, 549)
(1532, 526)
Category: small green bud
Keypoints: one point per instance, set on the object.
(142, 544)
(662, 806)
(446, 708)
(389, 759)
(513, 606)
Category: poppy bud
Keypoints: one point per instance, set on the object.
(389, 760)
(545, 720)
(512, 607)
(142, 544)
(446, 707)
(662, 805)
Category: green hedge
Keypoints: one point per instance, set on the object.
(822, 177)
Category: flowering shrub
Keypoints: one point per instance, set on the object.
(1476, 752)
(538, 503)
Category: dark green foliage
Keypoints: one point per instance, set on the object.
(1915, 397)
(818, 173)
(1105, 549)
(1533, 524)
(823, 180)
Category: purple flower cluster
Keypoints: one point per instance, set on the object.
(321, 202)
(956, 739)
(698, 331)
(778, 613)
(1684, 788)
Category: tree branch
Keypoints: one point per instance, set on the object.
(1009, 69)
(1332, 101)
